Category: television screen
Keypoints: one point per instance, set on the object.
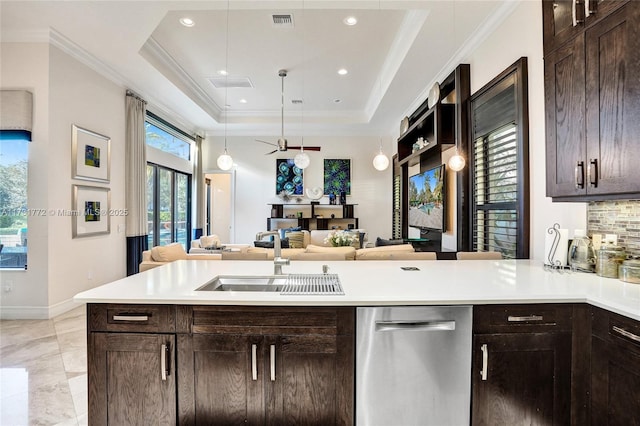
(427, 199)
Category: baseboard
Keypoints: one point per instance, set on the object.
(37, 312)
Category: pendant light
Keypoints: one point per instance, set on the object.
(225, 162)
(301, 160)
(380, 161)
(456, 161)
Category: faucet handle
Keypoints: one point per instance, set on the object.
(325, 269)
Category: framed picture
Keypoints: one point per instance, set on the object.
(90, 211)
(337, 176)
(289, 178)
(90, 155)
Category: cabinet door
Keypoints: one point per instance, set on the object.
(562, 20)
(220, 379)
(526, 381)
(131, 379)
(613, 102)
(308, 381)
(615, 383)
(564, 77)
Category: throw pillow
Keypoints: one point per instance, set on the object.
(348, 251)
(168, 253)
(209, 241)
(296, 239)
(283, 231)
(284, 243)
(383, 242)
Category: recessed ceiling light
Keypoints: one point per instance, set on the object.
(343, 71)
(187, 22)
(350, 20)
(243, 101)
(222, 72)
(337, 101)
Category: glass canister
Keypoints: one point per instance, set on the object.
(629, 271)
(581, 255)
(609, 258)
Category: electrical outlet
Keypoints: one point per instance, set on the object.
(8, 286)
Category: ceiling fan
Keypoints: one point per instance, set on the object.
(281, 145)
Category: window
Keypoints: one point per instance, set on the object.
(169, 171)
(500, 169)
(13, 199)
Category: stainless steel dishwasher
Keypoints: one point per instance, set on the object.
(413, 366)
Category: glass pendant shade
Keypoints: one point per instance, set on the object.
(225, 162)
(301, 160)
(380, 161)
(457, 162)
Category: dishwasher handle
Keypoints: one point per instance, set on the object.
(415, 325)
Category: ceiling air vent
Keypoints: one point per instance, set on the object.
(283, 21)
(231, 82)
(296, 101)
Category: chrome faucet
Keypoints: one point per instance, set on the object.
(278, 261)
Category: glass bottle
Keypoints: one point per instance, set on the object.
(581, 254)
(610, 256)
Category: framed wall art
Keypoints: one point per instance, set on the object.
(337, 176)
(90, 155)
(90, 211)
(289, 178)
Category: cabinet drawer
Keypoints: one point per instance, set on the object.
(137, 318)
(264, 320)
(522, 318)
(616, 328)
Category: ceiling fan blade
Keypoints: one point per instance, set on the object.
(272, 152)
(268, 143)
(306, 148)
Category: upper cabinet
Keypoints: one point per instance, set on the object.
(592, 99)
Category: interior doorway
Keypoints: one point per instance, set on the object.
(220, 204)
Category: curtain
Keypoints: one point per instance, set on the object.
(16, 113)
(135, 181)
(198, 190)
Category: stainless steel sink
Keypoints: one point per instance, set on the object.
(292, 284)
(245, 283)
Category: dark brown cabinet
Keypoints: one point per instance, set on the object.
(131, 373)
(521, 365)
(265, 365)
(592, 101)
(615, 370)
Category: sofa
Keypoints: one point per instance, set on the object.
(160, 255)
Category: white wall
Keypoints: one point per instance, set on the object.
(521, 35)
(255, 180)
(65, 92)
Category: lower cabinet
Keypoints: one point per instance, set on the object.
(615, 370)
(521, 365)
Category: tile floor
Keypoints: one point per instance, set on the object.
(43, 370)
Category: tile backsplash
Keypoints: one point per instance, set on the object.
(620, 217)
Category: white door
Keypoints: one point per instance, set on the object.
(221, 205)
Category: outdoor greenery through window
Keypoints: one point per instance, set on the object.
(165, 139)
(13, 201)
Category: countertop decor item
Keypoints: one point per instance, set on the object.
(556, 246)
(609, 257)
(629, 271)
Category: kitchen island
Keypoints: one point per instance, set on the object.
(230, 357)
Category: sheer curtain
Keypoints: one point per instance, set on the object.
(135, 182)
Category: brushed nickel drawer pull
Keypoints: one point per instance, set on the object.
(626, 333)
(512, 318)
(272, 359)
(163, 362)
(579, 175)
(593, 176)
(254, 362)
(131, 318)
(485, 361)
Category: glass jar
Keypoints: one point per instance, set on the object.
(609, 258)
(581, 256)
(629, 271)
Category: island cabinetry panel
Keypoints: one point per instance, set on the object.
(521, 364)
(592, 103)
(263, 365)
(131, 379)
(615, 370)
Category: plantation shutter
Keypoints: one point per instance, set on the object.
(396, 219)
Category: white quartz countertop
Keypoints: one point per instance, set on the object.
(374, 283)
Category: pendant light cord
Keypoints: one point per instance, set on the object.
(226, 78)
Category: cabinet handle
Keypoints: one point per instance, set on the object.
(593, 177)
(579, 175)
(131, 317)
(485, 361)
(626, 334)
(254, 362)
(590, 7)
(575, 9)
(165, 361)
(415, 325)
(524, 318)
(272, 361)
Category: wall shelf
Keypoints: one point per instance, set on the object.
(310, 218)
